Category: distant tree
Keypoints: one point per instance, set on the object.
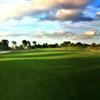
(4, 45)
(72, 45)
(25, 44)
(66, 44)
(45, 45)
(85, 45)
(34, 44)
(93, 44)
(39, 46)
(79, 44)
(54, 45)
(21, 47)
(14, 45)
(29, 44)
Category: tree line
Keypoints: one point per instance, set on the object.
(4, 45)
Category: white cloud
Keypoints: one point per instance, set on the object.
(91, 33)
(51, 37)
(98, 14)
(68, 13)
(50, 3)
(14, 8)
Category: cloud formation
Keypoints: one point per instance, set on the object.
(68, 13)
(25, 18)
(91, 33)
(43, 4)
(98, 14)
(15, 8)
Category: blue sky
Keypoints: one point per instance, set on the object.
(50, 21)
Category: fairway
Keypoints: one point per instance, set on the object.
(50, 74)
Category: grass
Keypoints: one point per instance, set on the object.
(50, 74)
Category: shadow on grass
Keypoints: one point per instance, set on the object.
(59, 79)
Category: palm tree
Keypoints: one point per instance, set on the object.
(25, 44)
(34, 42)
(14, 45)
(28, 44)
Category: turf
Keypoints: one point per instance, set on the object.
(50, 74)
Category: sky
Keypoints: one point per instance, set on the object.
(51, 21)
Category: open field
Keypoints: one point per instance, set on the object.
(50, 74)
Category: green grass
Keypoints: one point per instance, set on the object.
(50, 74)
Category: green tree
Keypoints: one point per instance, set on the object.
(34, 43)
(66, 44)
(14, 45)
(25, 44)
(4, 45)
